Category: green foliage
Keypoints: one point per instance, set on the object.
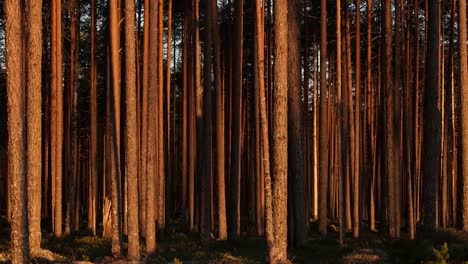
(442, 255)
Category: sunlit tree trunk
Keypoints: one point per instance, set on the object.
(93, 127)
(16, 105)
(464, 107)
(220, 152)
(280, 136)
(161, 180)
(56, 114)
(34, 118)
(131, 141)
(151, 15)
(115, 127)
(323, 168)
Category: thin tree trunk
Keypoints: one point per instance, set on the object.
(57, 113)
(357, 125)
(115, 127)
(464, 106)
(151, 29)
(93, 127)
(323, 181)
(220, 152)
(236, 154)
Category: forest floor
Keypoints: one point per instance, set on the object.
(188, 249)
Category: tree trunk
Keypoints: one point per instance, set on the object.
(151, 15)
(357, 125)
(236, 155)
(207, 127)
(57, 114)
(280, 136)
(93, 127)
(131, 146)
(115, 128)
(464, 107)
(391, 149)
(324, 144)
(161, 192)
(16, 103)
(220, 152)
(34, 98)
(294, 123)
(432, 118)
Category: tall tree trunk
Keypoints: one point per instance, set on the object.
(294, 123)
(72, 117)
(131, 146)
(151, 29)
(339, 123)
(185, 87)
(236, 155)
(207, 127)
(93, 127)
(161, 182)
(357, 125)
(464, 106)
(57, 114)
(280, 136)
(34, 98)
(220, 152)
(16, 103)
(115, 127)
(259, 33)
(169, 148)
(323, 181)
(432, 118)
(390, 137)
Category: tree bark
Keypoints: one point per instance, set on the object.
(236, 155)
(296, 166)
(323, 181)
(220, 152)
(464, 106)
(151, 15)
(131, 146)
(34, 128)
(280, 136)
(432, 118)
(16, 103)
(115, 127)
